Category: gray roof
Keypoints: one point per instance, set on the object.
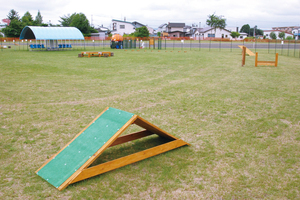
(205, 29)
(161, 26)
(177, 25)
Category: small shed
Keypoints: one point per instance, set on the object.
(51, 38)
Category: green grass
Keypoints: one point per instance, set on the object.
(243, 123)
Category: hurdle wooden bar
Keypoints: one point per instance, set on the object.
(266, 63)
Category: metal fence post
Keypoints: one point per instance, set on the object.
(294, 48)
(199, 43)
(289, 48)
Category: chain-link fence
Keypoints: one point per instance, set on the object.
(283, 47)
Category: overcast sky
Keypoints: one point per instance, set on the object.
(263, 13)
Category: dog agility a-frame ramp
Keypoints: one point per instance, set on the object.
(71, 163)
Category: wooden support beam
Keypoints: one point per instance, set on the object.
(120, 162)
(132, 136)
(152, 128)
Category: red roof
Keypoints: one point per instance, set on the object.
(6, 21)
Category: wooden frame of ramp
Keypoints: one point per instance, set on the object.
(84, 172)
(248, 51)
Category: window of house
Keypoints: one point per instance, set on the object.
(122, 26)
(210, 35)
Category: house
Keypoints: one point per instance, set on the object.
(137, 24)
(296, 33)
(4, 23)
(176, 29)
(151, 30)
(268, 32)
(242, 36)
(162, 28)
(102, 33)
(125, 27)
(287, 29)
(122, 27)
(210, 32)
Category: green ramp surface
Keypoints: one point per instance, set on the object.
(63, 165)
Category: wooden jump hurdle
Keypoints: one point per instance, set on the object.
(269, 63)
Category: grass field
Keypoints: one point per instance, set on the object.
(243, 123)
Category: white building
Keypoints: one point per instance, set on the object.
(124, 27)
(268, 32)
(242, 36)
(210, 32)
(296, 33)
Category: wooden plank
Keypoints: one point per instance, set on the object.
(154, 129)
(130, 137)
(120, 162)
(266, 63)
(248, 51)
(71, 140)
(97, 154)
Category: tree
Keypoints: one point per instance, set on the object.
(281, 35)
(158, 34)
(257, 31)
(67, 19)
(13, 15)
(245, 29)
(38, 19)
(216, 21)
(82, 23)
(273, 36)
(141, 32)
(235, 34)
(14, 29)
(27, 19)
(289, 37)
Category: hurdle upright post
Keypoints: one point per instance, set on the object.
(244, 56)
(276, 59)
(256, 55)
